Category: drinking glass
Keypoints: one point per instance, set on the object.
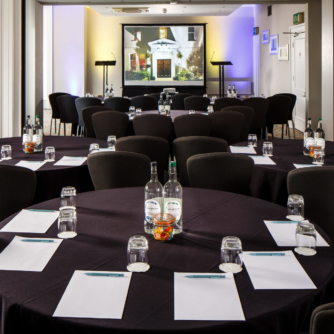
(231, 255)
(306, 239)
(214, 98)
(93, 148)
(67, 224)
(50, 153)
(67, 198)
(205, 95)
(138, 111)
(268, 149)
(210, 109)
(296, 207)
(132, 110)
(318, 157)
(6, 152)
(252, 140)
(125, 97)
(191, 111)
(138, 254)
(111, 142)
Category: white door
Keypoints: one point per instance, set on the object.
(297, 75)
(256, 65)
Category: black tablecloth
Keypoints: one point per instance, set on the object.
(108, 218)
(173, 113)
(269, 182)
(51, 179)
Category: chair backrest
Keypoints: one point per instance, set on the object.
(17, 189)
(221, 171)
(293, 98)
(322, 319)
(192, 125)
(279, 109)
(178, 100)
(87, 114)
(107, 123)
(118, 104)
(118, 169)
(223, 102)
(157, 149)
(53, 103)
(84, 102)
(199, 103)
(227, 125)
(186, 147)
(248, 113)
(153, 125)
(316, 185)
(144, 102)
(67, 109)
(260, 107)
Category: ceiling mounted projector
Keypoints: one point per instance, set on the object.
(128, 10)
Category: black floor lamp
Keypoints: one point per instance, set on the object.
(221, 65)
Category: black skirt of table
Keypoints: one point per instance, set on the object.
(108, 218)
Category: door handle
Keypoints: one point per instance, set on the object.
(304, 95)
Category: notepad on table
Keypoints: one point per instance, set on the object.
(305, 165)
(31, 221)
(33, 165)
(243, 149)
(100, 297)
(70, 161)
(28, 256)
(262, 160)
(276, 272)
(206, 299)
(284, 233)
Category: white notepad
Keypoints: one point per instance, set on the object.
(284, 233)
(243, 149)
(206, 298)
(305, 165)
(28, 256)
(262, 160)
(33, 165)
(276, 272)
(100, 297)
(70, 161)
(31, 222)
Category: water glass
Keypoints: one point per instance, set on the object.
(50, 153)
(306, 239)
(6, 152)
(210, 109)
(214, 98)
(296, 207)
(318, 157)
(268, 149)
(138, 111)
(132, 110)
(67, 198)
(93, 148)
(67, 224)
(205, 95)
(191, 111)
(125, 97)
(231, 255)
(111, 142)
(252, 140)
(138, 254)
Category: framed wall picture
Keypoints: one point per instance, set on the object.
(273, 44)
(283, 52)
(265, 37)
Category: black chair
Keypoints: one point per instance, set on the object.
(198, 103)
(54, 108)
(227, 125)
(17, 189)
(186, 147)
(260, 107)
(248, 113)
(87, 114)
(106, 123)
(316, 185)
(278, 113)
(118, 104)
(84, 102)
(157, 149)
(178, 100)
(144, 102)
(192, 125)
(153, 125)
(223, 102)
(118, 169)
(221, 171)
(322, 319)
(68, 112)
(293, 98)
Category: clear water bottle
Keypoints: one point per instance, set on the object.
(308, 138)
(161, 104)
(234, 92)
(167, 104)
(229, 91)
(173, 198)
(27, 132)
(111, 92)
(106, 92)
(153, 199)
(319, 136)
(38, 136)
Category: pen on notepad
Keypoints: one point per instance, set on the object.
(40, 210)
(267, 254)
(104, 274)
(206, 276)
(37, 240)
(286, 222)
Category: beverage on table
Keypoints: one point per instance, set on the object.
(229, 91)
(308, 138)
(234, 92)
(153, 199)
(319, 136)
(167, 104)
(295, 207)
(111, 91)
(161, 104)
(137, 254)
(111, 142)
(106, 92)
(231, 255)
(173, 198)
(67, 224)
(27, 132)
(38, 136)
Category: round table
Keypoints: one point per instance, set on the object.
(108, 218)
(51, 179)
(269, 182)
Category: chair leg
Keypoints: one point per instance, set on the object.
(287, 126)
(51, 126)
(59, 129)
(282, 131)
(294, 131)
(64, 129)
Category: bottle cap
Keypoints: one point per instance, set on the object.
(172, 164)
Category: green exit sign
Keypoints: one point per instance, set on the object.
(298, 18)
